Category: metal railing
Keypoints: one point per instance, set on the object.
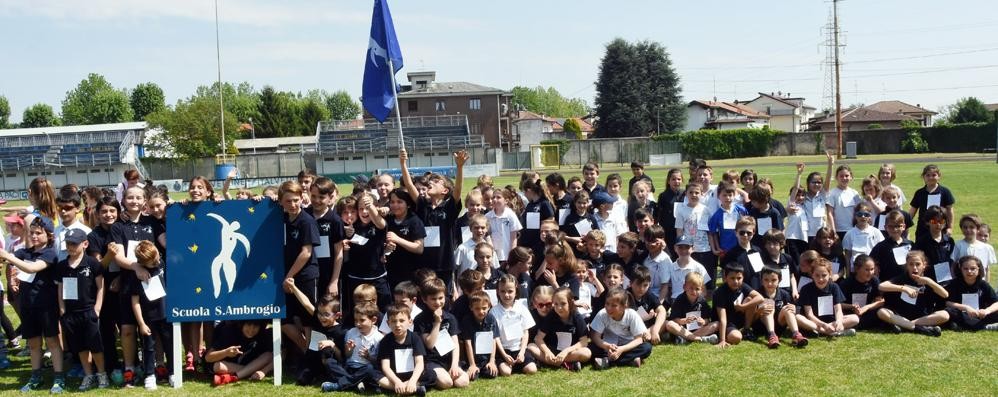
(384, 144)
(392, 124)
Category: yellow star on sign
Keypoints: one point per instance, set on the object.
(252, 210)
(190, 217)
(193, 248)
(263, 276)
(197, 290)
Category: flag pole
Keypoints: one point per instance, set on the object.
(398, 113)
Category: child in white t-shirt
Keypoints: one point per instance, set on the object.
(863, 237)
(504, 225)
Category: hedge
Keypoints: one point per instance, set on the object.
(723, 144)
(966, 137)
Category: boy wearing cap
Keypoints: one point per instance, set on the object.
(81, 295)
(602, 205)
(684, 265)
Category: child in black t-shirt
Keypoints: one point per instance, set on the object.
(82, 280)
(862, 294)
(470, 281)
(912, 300)
(821, 304)
(329, 253)
(150, 310)
(649, 308)
(241, 350)
(777, 310)
(301, 238)
(972, 303)
(36, 264)
(401, 356)
(362, 250)
(323, 351)
(731, 302)
(691, 315)
(479, 336)
(439, 331)
(563, 336)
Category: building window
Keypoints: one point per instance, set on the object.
(475, 104)
(475, 128)
(413, 106)
(441, 105)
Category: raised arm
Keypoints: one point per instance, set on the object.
(406, 177)
(460, 158)
(828, 172)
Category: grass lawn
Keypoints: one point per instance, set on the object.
(870, 363)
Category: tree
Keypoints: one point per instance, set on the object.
(637, 91)
(191, 128)
(968, 110)
(341, 106)
(95, 101)
(4, 112)
(572, 126)
(242, 100)
(548, 102)
(39, 115)
(146, 98)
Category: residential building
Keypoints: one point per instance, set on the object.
(291, 144)
(923, 116)
(786, 113)
(722, 116)
(860, 119)
(530, 128)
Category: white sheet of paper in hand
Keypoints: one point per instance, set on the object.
(358, 239)
(804, 280)
(972, 300)
(901, 254)
(533, 220)
(943, 273)
(313, 342)
(784, 277)
(675, 207)
(642, 313)
(933, 199)
(153, 288)
(130, 250)
(584, 227)
(484, 342)
(692, 325)
(69, 289)
(25, 276)
(882, 222)
(562, 215)
(738, 299)
(465, 233)
(763, 225)
(564, 340)
(730, 220)
(907, 298)
(859, 299)
(825, 307)
(404, 362)
(492, 296)
(444, 343)
(432, 237)
(322, 250)
(755, 259)
(512, 329)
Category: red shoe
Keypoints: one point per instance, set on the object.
(799, 340)
(161, 372)
(129, 378)
(189, 362)
(223, 379)
(773, 341)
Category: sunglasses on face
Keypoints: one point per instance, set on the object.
(745, 232)
(864, 214)
(544, 305)
(937, 221)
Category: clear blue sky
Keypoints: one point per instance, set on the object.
(928, 53)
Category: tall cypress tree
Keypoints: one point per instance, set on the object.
(637, 87)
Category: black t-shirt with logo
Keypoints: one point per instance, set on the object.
(85, 273)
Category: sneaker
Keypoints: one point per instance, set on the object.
(117, 377)
(894, 329)
(14, 343)
(847, 332)
(421, 391)
(102, 381)
(601, 363)
(76, 371)
(58, 385)
(748, 335)
(33, 384)
(162, 373)
(150, 382)
(330, 387)
(128, 378)
(224, 379)
(799, 341)
(711, 339)
(991, 327)
(361, 388)
(681, 341)
(773, 341)
(937, 330)
(89, 382)
(637, 362)
(926, 330)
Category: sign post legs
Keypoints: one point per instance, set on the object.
(178, 352)
(278, 365)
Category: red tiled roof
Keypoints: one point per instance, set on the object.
(897, 107)
(736, 108)
(865, 115)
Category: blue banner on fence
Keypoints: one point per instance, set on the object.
(224, 261)
(448, 171)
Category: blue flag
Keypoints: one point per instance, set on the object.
(379, 94)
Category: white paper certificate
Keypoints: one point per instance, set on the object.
(432, 237)
(322, 250)
(533, 220)
(404, 362)
(825, 305)
(69, 289)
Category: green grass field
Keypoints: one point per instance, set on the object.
(955, 364)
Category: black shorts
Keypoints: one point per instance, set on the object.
(126, 316)
(309, 287)
(39, 322)
(869, 320)
(427, 379)
(81, 331)
(518, 367)
(911, 312)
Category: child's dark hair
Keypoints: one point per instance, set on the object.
(479, 297)
(654, 232)
(590, 166)
(733, 267)
(432, 287)
(109, 201)
(861, 260)
(331, 300)
(629, 238)
(398, 308)
(748, 172)
(935, 212)
(637, 164)
(931, 168)
(726, 187)
(68, 195)
(507, 278)
(640, 274)
(976, 260)
(642, 213)
(555, 179)
(403, 195)
(346, 202)
(770, 270)
(614, 177)
(325, 185)
(774, 236)
(616, 294)
(366, 309)
(407, 289)
(469, 280)
(760, 194)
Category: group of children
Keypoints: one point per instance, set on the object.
(397, 288)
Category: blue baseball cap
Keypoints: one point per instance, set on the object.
(45, 223)
(684, 240)
(75, 236)
(600, 198)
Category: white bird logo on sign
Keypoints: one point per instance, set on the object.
(376, 50)
(223, 263)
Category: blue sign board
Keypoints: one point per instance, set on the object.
(224, 261)
(448, 171)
